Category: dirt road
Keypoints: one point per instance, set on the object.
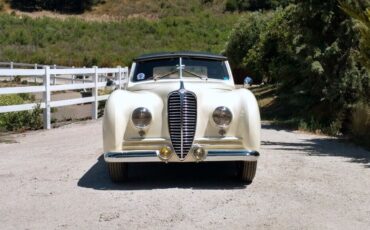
(57, 180)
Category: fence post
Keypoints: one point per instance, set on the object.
(11, 67)
(35, 76)
(94, 112)
(73, 76)
(125, 78)
(46, 98)
(119, 76)
(83, 78)
(55, 80)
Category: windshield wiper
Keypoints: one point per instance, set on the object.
(164, 75)
(196, 75)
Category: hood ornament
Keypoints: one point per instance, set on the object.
(182, 89)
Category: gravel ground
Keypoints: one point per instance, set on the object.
(57, 180)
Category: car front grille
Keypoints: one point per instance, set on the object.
(182, 120)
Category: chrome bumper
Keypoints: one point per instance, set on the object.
(152, 156)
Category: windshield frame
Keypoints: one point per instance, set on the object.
(222, 66)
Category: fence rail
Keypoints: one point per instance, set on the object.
(13, 65)
(47, 88)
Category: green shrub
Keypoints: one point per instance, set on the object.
(10, 100)
(18, 121)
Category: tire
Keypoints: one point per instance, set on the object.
(118, 172)
(247, 171)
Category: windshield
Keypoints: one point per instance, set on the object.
(170, 69)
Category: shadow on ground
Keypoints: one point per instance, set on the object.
(144, 176)
(324, 147)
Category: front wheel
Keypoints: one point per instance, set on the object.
(247, 171)
(117, 172)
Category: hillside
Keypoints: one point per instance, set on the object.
(114, 32)
(124, 9)
(157, 9)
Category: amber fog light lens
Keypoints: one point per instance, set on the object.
(165, 153)
(141, 117)
(222, 116)
(199, 153)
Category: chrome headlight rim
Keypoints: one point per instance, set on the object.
(141, 118)
(222, 116)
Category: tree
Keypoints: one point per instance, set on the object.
(254, 5)
(242, 38)
(362, 18)
(309, 49)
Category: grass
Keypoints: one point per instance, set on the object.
(157, 9)
(74, 42)
(137, 27)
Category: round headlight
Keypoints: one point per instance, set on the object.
(222, 116)
(141, 117)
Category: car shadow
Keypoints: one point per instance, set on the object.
(147, 176)
(324, 147)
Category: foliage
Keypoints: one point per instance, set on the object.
(243, 38)
(17, 121)
(252, 5)
(324, 45)
(309, 51)
(362, 18)
(55, 5)
(360, 118)
(73, 42)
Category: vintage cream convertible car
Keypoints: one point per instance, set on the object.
(181, 107)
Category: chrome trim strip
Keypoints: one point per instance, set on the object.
(182, 92)
(233, 153)
(152, 156)
(132, 156)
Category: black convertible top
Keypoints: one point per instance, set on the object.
(163, 55)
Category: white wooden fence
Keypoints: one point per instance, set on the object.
(47, 88)
(15, 65)
(54, 78)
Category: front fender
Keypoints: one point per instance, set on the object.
(250, 120)
(246, 123)
(117, 117)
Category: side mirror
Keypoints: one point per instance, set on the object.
(110, 82)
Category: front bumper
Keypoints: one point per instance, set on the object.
(153, 156)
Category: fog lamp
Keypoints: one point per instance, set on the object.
(199, 153)
(165, 153)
